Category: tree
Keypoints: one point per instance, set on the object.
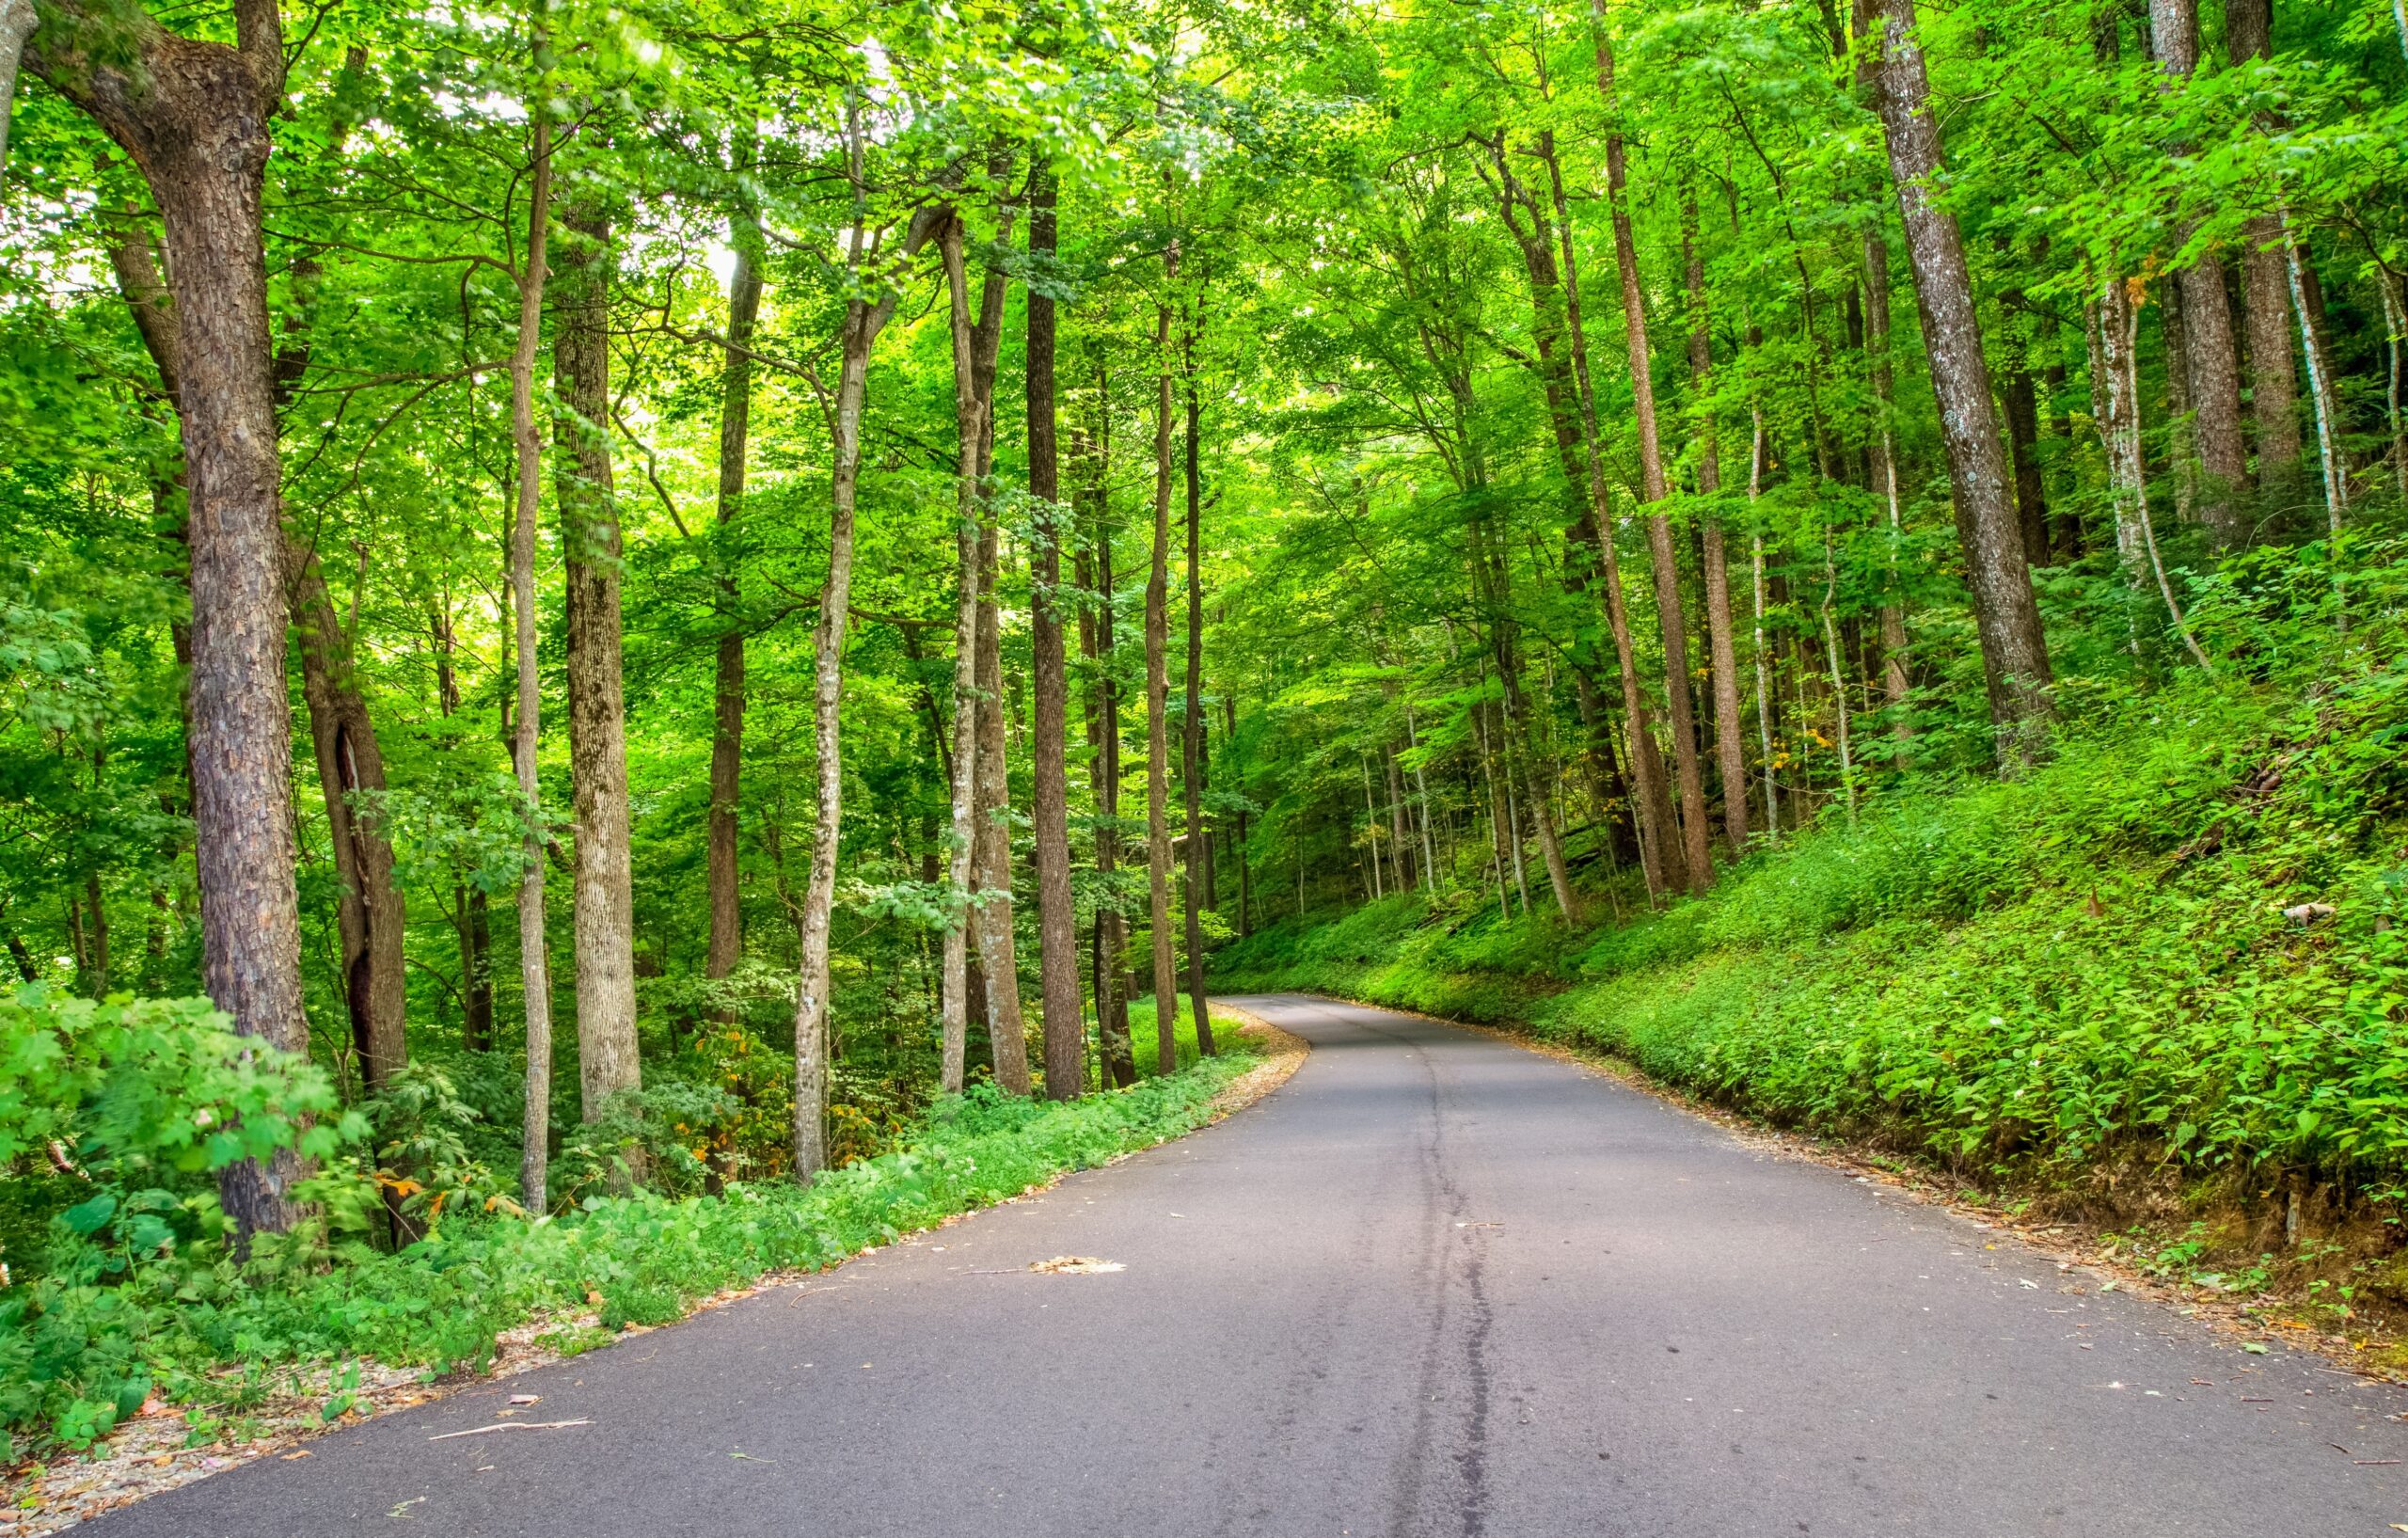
(193, 117)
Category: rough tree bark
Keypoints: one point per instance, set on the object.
(193, 117)
(726, 945)
(2273, 381)
(2015, 653)
(602, 876)
(1696, 838)
(370, 911)
(1057, 959)
(2211, 360)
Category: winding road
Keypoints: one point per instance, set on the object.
(1437, 1285)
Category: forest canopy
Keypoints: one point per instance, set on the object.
(647, 591)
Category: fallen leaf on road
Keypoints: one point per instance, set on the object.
(2254, 1348)
(509, 1425)
(302, 1453)
(2029, 1282)
(525, 1398)
(1074, 1264)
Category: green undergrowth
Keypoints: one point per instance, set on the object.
(142, 1296)
(2084, 980)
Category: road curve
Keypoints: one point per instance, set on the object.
(1436, 1285)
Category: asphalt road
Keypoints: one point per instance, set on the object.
(1436, 1285)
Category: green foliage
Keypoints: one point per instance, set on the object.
(2114, 958)
(82, 1346)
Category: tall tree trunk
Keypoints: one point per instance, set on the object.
(1696, 839)
(1191, 735)
(2273, 381)
(371, 913)
(864, 318)
(1659, 852)
(527, 446)
(2023, 442)
(954, 1064)
(1158, 855)
(1112, 929)
(471, 915)
(604, 882)
(194, 117)
(726, 945)
(2015, 653)
(1894, 682)
(2211, 361)
(1722, 646)
(1057, 958)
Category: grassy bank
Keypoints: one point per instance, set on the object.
(2161, 977)
(139, 1299)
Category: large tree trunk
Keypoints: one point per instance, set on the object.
(604, 883)
(2015, 653)
(1696, 852)
(2273, 381)
(370, 912)
(1659, 854)
(2211, 361)
(1158, 854)
(727, 946)
(526, 445)
(1057, 959)
(194, 117)
(1191, 735)
(1721, 647)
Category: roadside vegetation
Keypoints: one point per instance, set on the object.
(138, 1290)
(2159, 978)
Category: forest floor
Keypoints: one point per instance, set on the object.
(1438, 1285)
(157, 1452)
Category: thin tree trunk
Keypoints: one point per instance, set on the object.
(1839, 682)
(1722, 646)
(1895, 681)
(1158, 854)
(1056, 918)
(1696, 839)
(2015, 653)
(2319, 384)
(864, 318)
(597, 729)
(1659, 852)
(2120, 429)
(954, 1064)
(470, 911)
(1198, 846)
(194, 117)
(535, 970)
(726, 945)
(1119, 1068)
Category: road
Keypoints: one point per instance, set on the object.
(1436, 1285)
